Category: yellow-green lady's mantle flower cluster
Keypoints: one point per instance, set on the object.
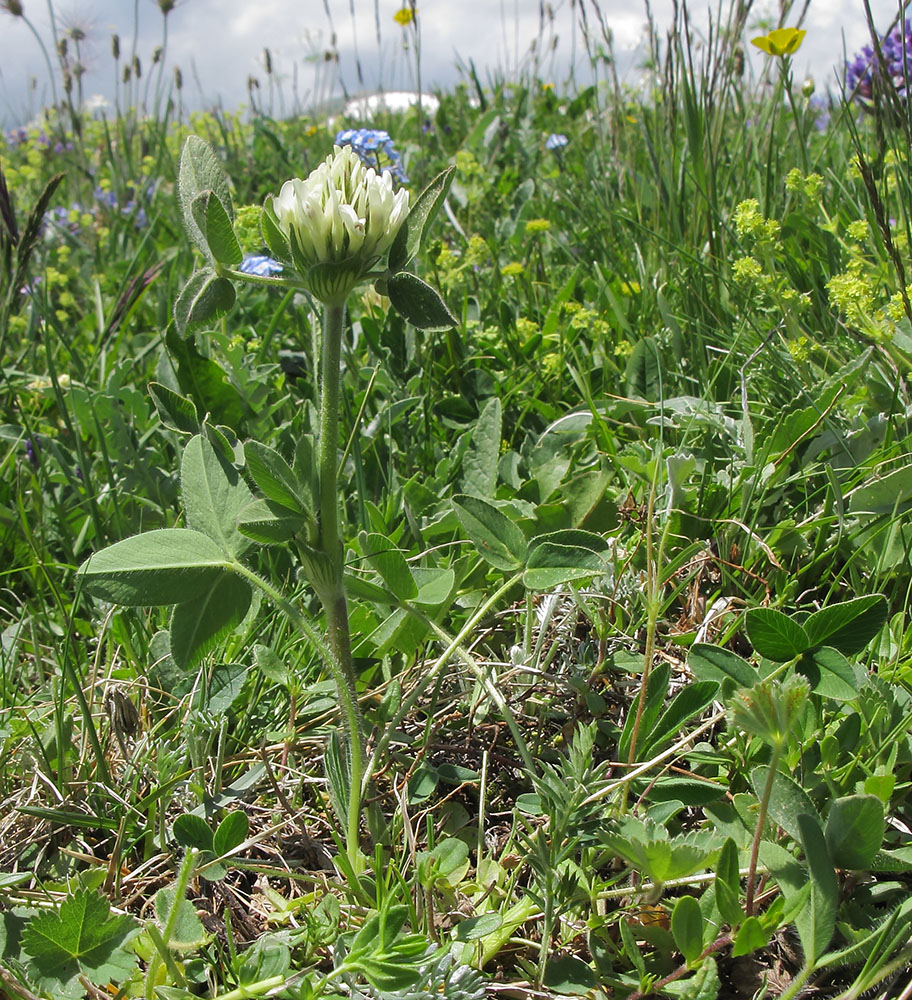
(337, 224)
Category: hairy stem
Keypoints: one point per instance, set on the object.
(330, 588)
(758, 833)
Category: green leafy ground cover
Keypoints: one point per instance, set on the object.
(626, 556)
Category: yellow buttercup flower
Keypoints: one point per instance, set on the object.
(404, 16)
(781, 42)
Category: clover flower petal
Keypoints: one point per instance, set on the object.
(344, 213)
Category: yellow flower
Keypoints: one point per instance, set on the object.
(781, 42)
(512, 270)
(404, 16)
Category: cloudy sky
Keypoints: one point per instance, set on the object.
(218, 44)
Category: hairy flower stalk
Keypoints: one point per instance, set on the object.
(334, 228)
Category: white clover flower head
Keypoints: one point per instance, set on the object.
(343, 214)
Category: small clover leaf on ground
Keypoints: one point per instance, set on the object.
(82, 937)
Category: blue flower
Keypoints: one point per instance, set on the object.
(557, 140)
(262, 267)
(369, 144)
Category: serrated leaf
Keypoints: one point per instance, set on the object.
(687, 928)
(775, 635)
(214, 494)
(165, 566)
(849, 626)
(817, 920)
(200, 170)
(854, 830)
(198, 626)
(274, 477)
(413, 231)
(215, 227)
(708, 662)
(82, 936)
(418, 302)
(498, 539)
(231, 832)
(204, 298)
(175, 411)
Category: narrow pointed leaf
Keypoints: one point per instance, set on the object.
(728, 884)
(269, 523)
(176, 412)
(413, 231)
(417, 302)
(274, 476)
(688, 702)
(817, 921)
(479, 464)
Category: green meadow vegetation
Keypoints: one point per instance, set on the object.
(510, 600)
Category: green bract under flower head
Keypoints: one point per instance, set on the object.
(337, 224)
